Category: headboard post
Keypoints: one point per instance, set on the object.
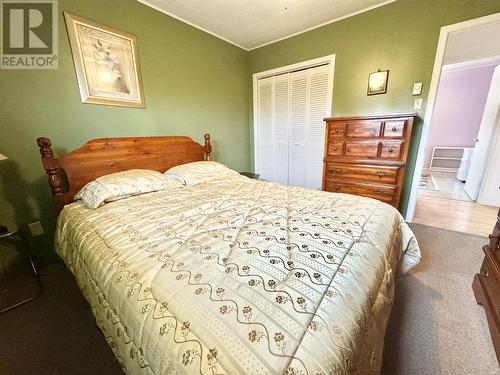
(208, 147)
(51, 168)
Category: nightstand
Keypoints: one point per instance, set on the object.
(19, 280)
(254, 176)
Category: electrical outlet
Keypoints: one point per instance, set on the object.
(36, 229)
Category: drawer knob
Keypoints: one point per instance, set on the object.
(390, 149)
(491, 236)
(379, 191)
(336, 130)
(337, 187)
(381, 174)
(338, 170)
(335, 149)
(394, 129)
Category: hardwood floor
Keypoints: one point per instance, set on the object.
(460, 216)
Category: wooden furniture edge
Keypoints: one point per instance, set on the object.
(486, 285)
(371, 117)
(51, 167)
(484, 298)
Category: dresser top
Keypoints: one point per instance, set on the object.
(372, 117)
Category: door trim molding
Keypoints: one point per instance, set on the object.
(431, 99)
(325, 60)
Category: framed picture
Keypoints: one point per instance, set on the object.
(377, 82)
(106, 63)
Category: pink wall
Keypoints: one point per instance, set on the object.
(459, 108)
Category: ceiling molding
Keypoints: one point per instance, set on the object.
(325, 23)
(147, 3)
(352, 14)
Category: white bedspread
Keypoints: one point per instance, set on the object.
(239, 276)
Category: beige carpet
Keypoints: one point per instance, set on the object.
(436, 327)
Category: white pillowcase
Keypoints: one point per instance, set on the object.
(201, 171)
(119, 185)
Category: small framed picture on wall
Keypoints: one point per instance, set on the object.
(377, 82)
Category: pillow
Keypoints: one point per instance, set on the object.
(125, 184)
(201, 171)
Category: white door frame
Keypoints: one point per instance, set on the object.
(431, 99)
(330, 59)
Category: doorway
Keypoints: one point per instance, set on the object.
(456, 178)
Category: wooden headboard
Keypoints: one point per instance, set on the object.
(108, 155)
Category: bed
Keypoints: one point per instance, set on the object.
(230, 275)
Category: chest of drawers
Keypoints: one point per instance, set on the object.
(366, 155)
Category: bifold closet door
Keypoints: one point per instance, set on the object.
(299, 86)
(291, 108)
(265, 151)
(274, 107)
(281, 127)
(310, 104)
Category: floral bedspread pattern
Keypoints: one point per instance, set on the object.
(239, 276)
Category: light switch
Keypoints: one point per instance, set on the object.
(418, 103)
(417, 88)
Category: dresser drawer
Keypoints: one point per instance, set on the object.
(337, 129)
(495, 237)
(342, 172)
(383, 193)
(391, 150)
(363, 129)
(361, 149)
(394, 129)
(335, 148)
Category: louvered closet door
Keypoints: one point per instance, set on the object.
(281, 126)
(319, 107)
(299, 87)
(309, 106)
(265, 128)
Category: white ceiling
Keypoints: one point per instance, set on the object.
(251, 24)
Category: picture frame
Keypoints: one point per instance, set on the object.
(377, 82)
(106, 63)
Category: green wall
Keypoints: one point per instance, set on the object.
(193, 83)
(401, 36)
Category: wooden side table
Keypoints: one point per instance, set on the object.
(16, 262)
